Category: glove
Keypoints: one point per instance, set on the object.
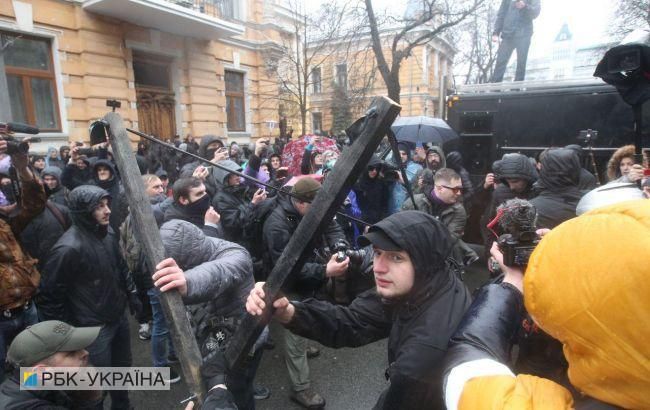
(213, 369)
(135, 306)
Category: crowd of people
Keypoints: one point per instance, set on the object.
(389, 265)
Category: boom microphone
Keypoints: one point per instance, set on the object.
(19, 128)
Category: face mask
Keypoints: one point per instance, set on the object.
(200, 206)
(209, 153)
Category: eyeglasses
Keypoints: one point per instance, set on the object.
(454, 189)
(373, 168)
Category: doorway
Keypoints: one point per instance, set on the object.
(155, 96)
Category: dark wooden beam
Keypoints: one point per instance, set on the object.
(349, 166)
(148, 235)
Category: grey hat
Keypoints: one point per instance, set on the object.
(44, 339)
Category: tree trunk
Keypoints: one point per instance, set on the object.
(393, 86)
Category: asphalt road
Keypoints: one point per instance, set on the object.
(347, 378)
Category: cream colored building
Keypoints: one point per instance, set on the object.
(177, 67)
(424, 77)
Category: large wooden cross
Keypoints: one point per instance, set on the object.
(148, 235)
(348, 167)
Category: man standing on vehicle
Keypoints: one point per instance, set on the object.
(515, 26)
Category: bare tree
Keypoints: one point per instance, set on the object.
(477, 52)
(630, 15)
(294, 62)
(433, 18)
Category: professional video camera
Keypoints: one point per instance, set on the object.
(14, 146)
(517, 218)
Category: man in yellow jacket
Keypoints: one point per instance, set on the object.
(586, 285)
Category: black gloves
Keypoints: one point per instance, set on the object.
(135, 306)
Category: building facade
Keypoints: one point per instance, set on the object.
(348, 76)
(177, 67)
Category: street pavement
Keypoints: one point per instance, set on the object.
(349, 379)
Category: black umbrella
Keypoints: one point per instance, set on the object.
(423, 129)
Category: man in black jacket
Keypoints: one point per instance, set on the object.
(278, 228)
(87, 283)
(105, 177)
(515, 26)
(417, 304)
(558, 187)
(233, 203)
(192, 204)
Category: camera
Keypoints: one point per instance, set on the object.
(357, 256)
(389, 171)
(517, 250)
(15, 147)
(588, 136)
(518, 219)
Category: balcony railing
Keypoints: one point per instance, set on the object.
(224, 9)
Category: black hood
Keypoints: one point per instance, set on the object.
(455, 161)
(424, 237)
(560, 169)
(374, 161)
(82, 202)
(514, 166)
(104, 184)
(205, 141)
(428, 244)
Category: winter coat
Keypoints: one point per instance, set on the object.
(418, 326)
(399, 193)
(132, 251)
(509, 166)
(73, 177)
(12, 397)
(453, 217)
(19, 277)
(233, 205)
(45, 230)
(54, 162)
(426, 172)
(85, 279)
(278, 228)
(211, 184)
(372, 195)
(559, 192)
(613, 165)
(59, 195)
(217, 271)
(513, 22)
(119, 204)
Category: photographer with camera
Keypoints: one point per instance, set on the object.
(595, 311)
(517, 237)
(19, 278)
